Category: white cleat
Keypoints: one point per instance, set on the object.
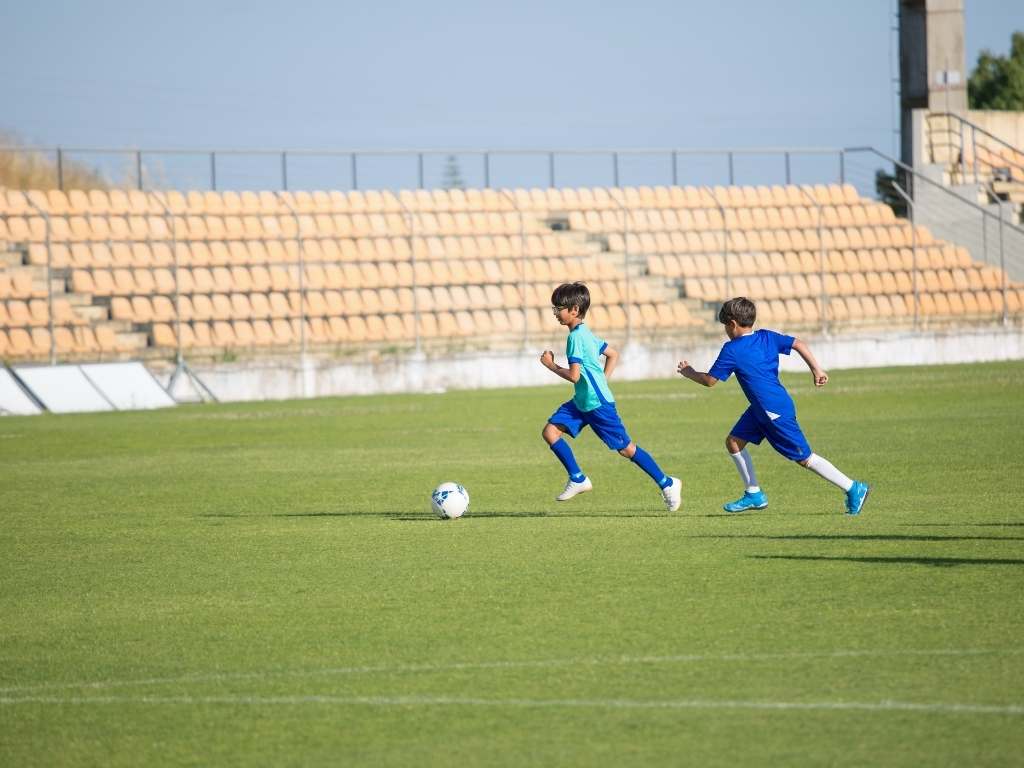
(673, 494)
(572, 489)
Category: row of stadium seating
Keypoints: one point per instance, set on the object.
(134, 202)
(395, 327)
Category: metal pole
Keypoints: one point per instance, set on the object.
(522, 262)
(675, 169)
(732, 171)
(963, 160)
(821, 259)
(419, 170)
(60, 168)
(213, 171)
(355, 173)
(284, 171)
(1002, 263)
(788, 174)
(302, 286)
(725, 241)
(913, 242)
(138, 170)
(487, 170)
(411, 224)
(974, 153)
(625, 263)
(551, 170)
(49, 279)
(615, 169)
(842, 167)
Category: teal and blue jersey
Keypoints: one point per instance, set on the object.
(592, 390)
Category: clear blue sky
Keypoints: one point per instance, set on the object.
(405, 73)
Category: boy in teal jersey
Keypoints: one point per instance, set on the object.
(592, 404)
(754, 357)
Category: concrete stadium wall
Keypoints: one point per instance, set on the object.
(276, 379)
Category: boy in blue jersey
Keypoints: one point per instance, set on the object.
(592, 404)
(754, 357)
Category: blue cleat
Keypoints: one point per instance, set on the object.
(856, 496)
(756, 500)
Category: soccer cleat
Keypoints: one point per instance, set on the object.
(673, 494)
(856, 496)
(750, 500)
(573, 488)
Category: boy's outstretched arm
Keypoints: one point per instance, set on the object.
(687, 370)
(611, 359)
(819, 376)
(570, 374)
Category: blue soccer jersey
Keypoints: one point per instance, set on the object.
(592, 389)
(754, 358)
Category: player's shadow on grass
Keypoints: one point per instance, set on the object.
(855, 537)
(936, 562)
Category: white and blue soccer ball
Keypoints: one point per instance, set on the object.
(449, 500)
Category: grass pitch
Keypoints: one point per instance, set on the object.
(264, 583)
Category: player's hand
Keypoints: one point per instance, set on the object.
(547, 359)
(820, 377)
(683, 365)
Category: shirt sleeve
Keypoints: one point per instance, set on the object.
(724, 365)
(601, 345)
(783, 343)
(572, 349)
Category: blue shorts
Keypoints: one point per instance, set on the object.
(784, 434)
(604, 420)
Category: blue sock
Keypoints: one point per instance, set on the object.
(562, 450)
(643, 460)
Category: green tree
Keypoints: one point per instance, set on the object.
(998, 81)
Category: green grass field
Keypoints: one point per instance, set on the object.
(264, 584)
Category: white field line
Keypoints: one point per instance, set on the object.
(427, 668)
(435, 701)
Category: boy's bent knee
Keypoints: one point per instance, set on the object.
(628, 451)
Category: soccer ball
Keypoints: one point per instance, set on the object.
(449, 500)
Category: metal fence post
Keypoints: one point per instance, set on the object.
(419, 170)
(411, 227)
(60, 168)
(213, 171)
(49, 279)
(551, 170)
(789, 176)
(355, 173)
(625, 263)
(284, 171)
(675, 169)
(524, 281)
(725, 241)
(302, 284)
(138, 170)
(732, 171)
(822, 260)
(487, 170)
(615, 169)
(913, 252)
(1002, 262)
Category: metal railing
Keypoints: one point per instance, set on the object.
(147, 169)
(969, 152)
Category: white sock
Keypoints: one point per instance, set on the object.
(824, 468)
(745, 466)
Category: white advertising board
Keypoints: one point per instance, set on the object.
(62, 388)
(129, 386)
(13, 400)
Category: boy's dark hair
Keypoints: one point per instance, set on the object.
(741, 309)
(571, 295)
